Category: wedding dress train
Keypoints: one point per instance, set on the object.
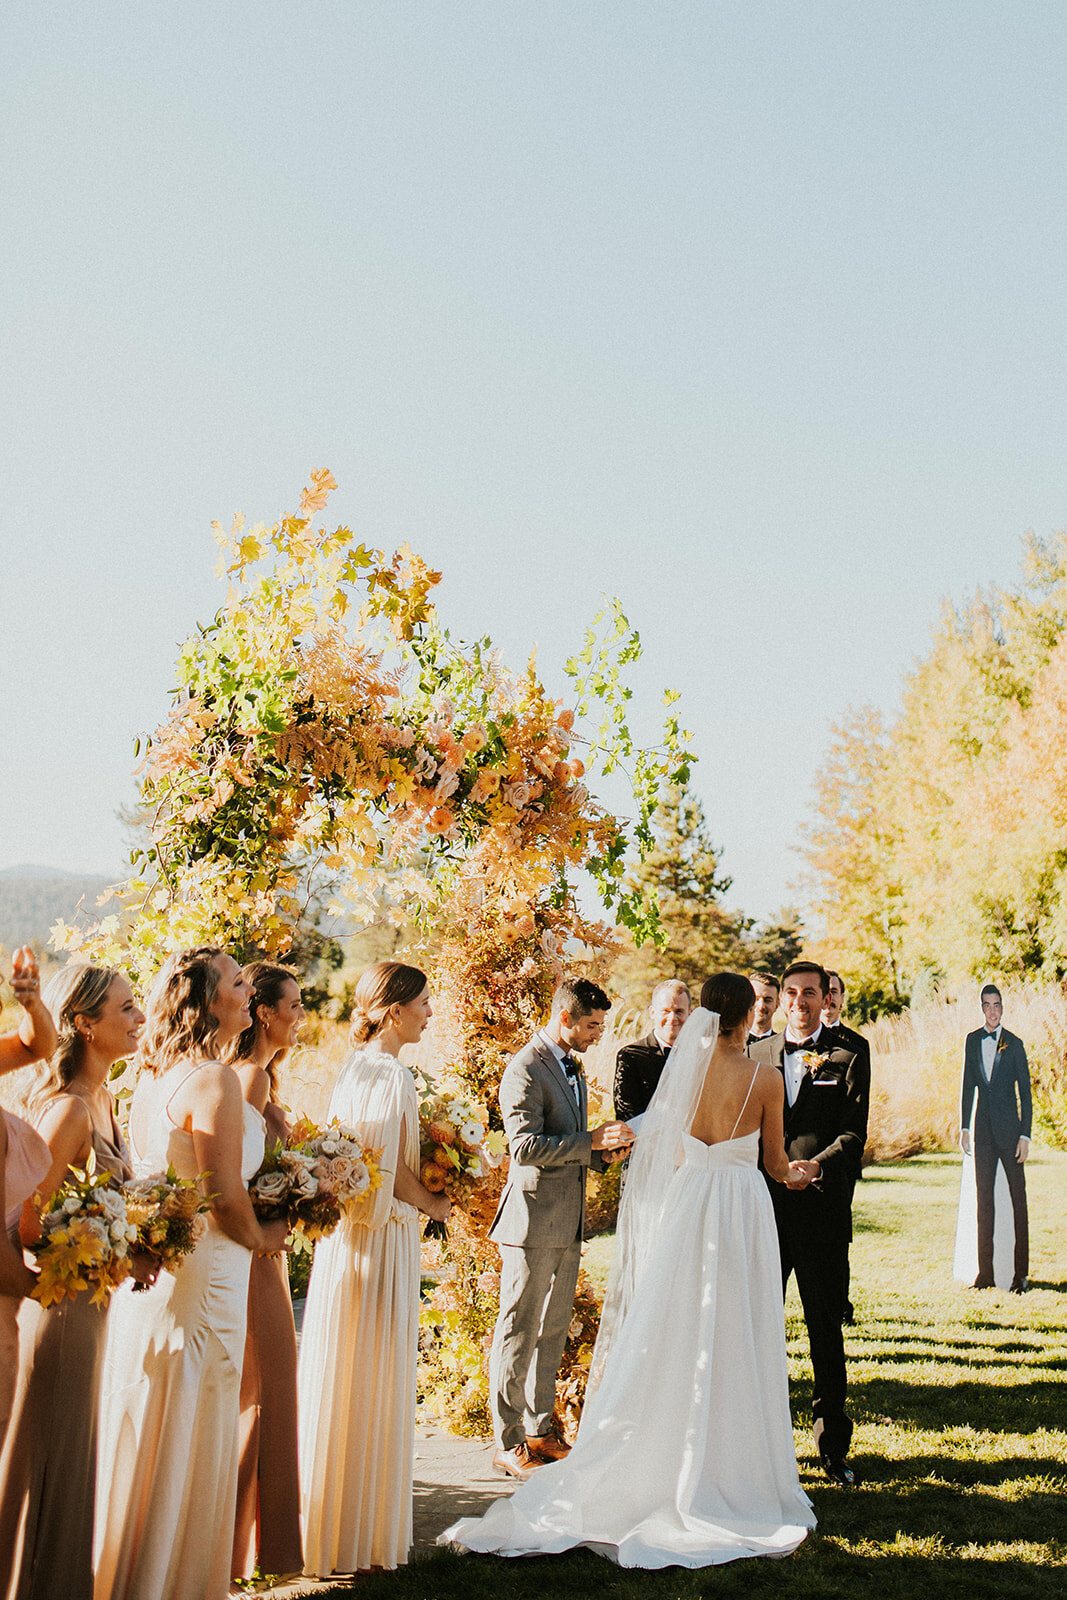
(685, 1451)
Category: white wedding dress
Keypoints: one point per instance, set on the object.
(685, 1451)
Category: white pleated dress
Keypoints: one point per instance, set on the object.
(359, 1345)
(168, 1437)
(685, 1452)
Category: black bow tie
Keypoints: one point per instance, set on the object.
(987, 1035)
(801, 1044)
(572, 1068)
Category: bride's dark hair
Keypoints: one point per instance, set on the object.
(730, 996)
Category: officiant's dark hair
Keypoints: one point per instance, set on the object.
(991, 988)
(730, 996)
(808, 966)
(578, 997)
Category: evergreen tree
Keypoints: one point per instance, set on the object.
(682, 873)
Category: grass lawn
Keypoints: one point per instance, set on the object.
(960, 1404)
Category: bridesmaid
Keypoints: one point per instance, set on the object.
(24, 1160)
(360, 1339)
(48, 1469)
(267, 1527)
(167, 1461)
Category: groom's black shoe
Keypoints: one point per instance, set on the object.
(1019, 1286)
(840, 1472)
(545, 1447)
(982, 1283)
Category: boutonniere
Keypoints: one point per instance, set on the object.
(1002, 1046)
(813, 1061)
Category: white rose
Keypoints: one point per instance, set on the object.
(329, 1147)
(472, 1133)
(131, 1233)
(118, 1230)
(72, 1205)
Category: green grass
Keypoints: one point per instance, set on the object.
(960, 1404)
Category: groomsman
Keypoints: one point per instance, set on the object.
(768, 990)
(831, 1016)
(639, 1066)
(995, 1070)
(827, 1089)
(540, 1221)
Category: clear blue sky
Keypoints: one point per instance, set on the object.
(752, 314)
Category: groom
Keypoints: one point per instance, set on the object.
(827, 1074)
(539, 1223)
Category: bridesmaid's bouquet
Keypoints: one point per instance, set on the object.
(317, 1177)
(85, 1242)
(168, 1213)
(456, 1149)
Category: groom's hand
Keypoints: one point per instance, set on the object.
(612, 1136)
(965, 1141)
(801, 1173)
(1022, 1149)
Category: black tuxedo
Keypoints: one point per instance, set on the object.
(638, 1069)
(1002, 1115)
(828, 1124)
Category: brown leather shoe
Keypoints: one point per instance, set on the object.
(517, 1463)
(547, 1446)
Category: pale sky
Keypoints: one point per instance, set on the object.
(752, 314)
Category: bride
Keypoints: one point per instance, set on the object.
(684, 1456)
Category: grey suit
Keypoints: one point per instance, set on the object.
(1002, 1114)
(538, 1227)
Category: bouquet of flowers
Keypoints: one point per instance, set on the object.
(316, 1178)
(168, 1213)
(85, 1241)
(455, 1149)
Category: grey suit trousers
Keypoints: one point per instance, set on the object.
(536, 1304)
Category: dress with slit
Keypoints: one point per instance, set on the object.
(685, 1452)
(267, 1524)
(359, 1345)
(167, 1452)
(48, 1465)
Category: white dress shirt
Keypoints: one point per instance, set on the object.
(989, 1053)
(793, 1065)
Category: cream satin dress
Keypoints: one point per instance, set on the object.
(168, 1440)
(359, 1345)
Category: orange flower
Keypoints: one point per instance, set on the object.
(578, 768)
(565, 720)
(432, 1177)
(441, 820)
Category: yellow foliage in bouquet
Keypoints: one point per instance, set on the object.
(85, 1241)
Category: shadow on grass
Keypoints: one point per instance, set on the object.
(1004, 1408)
(821, 1570)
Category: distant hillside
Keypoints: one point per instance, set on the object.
(32, 898)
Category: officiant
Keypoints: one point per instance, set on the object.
(639, 1066)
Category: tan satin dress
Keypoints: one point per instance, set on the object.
(48, 1467)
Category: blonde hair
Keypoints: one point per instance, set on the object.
(386, 984)
(267, 982)
(78, 990)
(178, 1017)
